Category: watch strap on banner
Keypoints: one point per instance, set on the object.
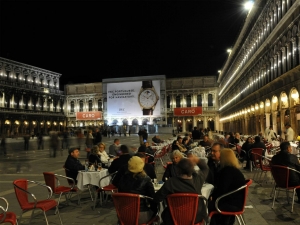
(147, 112)
(147, 84)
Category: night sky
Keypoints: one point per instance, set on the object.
(86, 41)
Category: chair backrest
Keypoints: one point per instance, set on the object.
(127, 207)
(183, 207)
(280, 175)
(257, 150)
(50, 180)
(248, 183)
(20, 187)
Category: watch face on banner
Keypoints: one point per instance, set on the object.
(147, 99)
(130, 99)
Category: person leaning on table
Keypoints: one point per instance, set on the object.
(72, 164)
(187, 181)
(136, 181)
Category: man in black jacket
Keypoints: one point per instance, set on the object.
(122, 160)
(72, 164)
(285, 158)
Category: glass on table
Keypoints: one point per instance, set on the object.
(99, 166)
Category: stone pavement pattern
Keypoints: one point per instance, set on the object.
(33, 162)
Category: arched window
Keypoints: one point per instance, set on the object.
(188, 101)
(90, 105)
(81, 106)
(99, 105)
(178, 101)
(210, 100)
(168, 102)
(72, 106)
(199, 100)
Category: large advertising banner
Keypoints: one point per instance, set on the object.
(140, 98)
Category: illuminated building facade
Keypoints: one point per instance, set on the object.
(30, 99)
(260, 81)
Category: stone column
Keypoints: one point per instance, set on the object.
(274, 121)
(267, 119)
(205, 122)
(183, 125)
(282, 114)
(293, 121)
(194, 122)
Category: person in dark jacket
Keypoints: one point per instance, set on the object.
(148, 168)
(258, 144)
(171, 170)
(214, 163)
(145, 148)
(97, 137)
(156, 139)
(72, 164)
(246, 147)
(122, 160)
(285, 158)
(136, 181)
(229, 179)
(187, 181)
(196, 134)
(94, 157)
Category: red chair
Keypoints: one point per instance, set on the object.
(255, 159)
(102, 189)
(127, 206)
(22, 193)
(281, 176)
(237, 214)
(52, 180)
(263, 164)
(7, 217)
(183, 208)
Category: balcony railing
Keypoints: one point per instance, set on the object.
(30, 87)
(29, 111)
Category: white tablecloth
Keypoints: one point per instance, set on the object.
(93, 178)
(199, 151)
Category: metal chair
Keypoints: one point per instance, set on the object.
(22, 193)
(7, 217)
(183, 208)
(281, 176)
(237, 214)
(102, 189)
(52, 180)
(127, 206)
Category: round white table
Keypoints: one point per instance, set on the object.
(92, 178)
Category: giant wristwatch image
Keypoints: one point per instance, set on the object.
(147, 98)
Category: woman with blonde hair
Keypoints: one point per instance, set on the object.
(172, 170)
(229, 179)
(103, 155)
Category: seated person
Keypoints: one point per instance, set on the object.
(171, 170)
(177, 145)
(136, 181)
(238, 140)
(258, 144)
(72, 164)
(145, 148)
(229, 179)
(94, 157)
(285, 158)
(148, 168)
(121, 161)
(187, 181)
(246, 147)
(214, 163)
(103, 155)
(185, 142)
(206, 142)
(157, 140)
(114, 148)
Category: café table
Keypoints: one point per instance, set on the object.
(85, 178)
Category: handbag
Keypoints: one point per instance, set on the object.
(87, 149)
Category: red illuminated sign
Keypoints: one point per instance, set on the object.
(187, 111)
(93, 115)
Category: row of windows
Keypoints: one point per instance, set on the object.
(90, 106)
(189, 101)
